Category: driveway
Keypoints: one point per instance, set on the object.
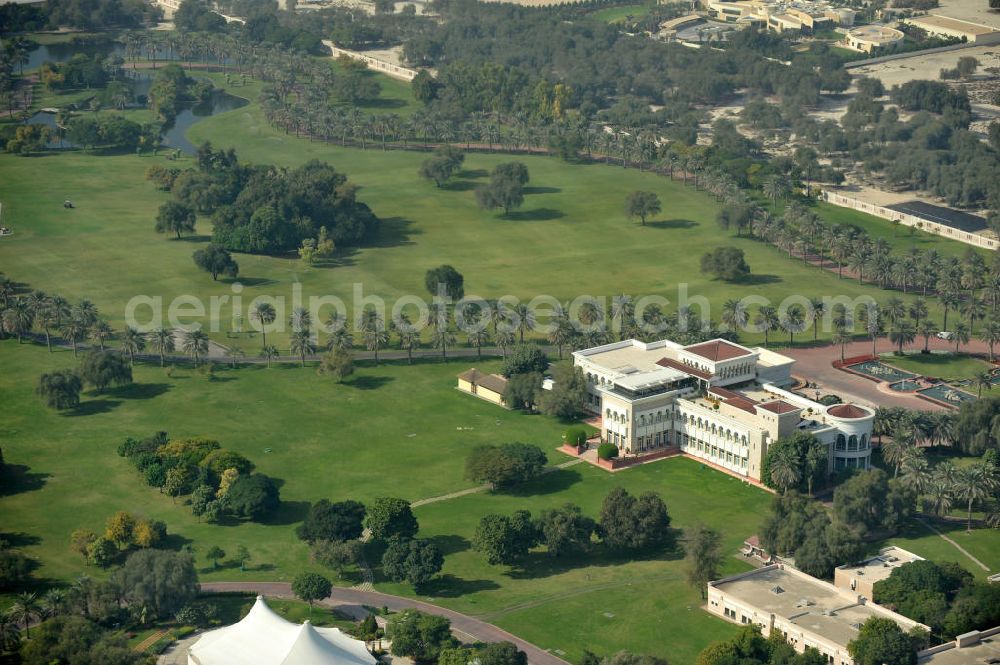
(466, 628)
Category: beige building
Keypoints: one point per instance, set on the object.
(718, 402)
(489, 387)
(860, 578)
(943, 26)
(978, 647)
(808, 612)
(868, 38)
(795, 15)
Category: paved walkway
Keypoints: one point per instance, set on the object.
(467, 628)
(815, 364)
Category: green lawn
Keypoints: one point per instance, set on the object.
(981, 543)
(619, 14)
(358, 440)
(948, 366)
(596, 602)
(569, 239)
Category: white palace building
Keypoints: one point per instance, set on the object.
(716, 401)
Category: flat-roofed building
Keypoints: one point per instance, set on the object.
(868, 38)
(717, 401)
(861, 577)
(944, 26)
(781, 15)
(807, 611)
(977, 647)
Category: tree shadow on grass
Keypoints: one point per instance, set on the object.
(93, 407)
(549, 483)
(18, 478)
(541, 190)
(538, 565)
(366, 382)
(760, 279)
(472, 173)
(394, 232)
(536, 215)
(449, 586)
(139, 390)
(17, 539)
(451, 544)
(196, 238)
(459, 186)
(174, 542)
(250, 281)
(671, 224)
(288, 512)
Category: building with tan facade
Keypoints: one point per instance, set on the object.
(717, 401)
(781, 16)
(860, 578)
(807, 611)
(489, 387)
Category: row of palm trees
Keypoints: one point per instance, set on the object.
(27, 608)
(943, 484)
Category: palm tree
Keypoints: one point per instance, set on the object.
(101, 332)
(842, 338)
(195, 344)
(132, 342)
(441, 338)
(235, 353)
(902, 333)
(301, 343)
(75, 331)
(873, 326)
(17, 318)
(983, 380)
(265, 315)
(10, 634)
(525, 317)
(408, 340)
(940, 494)
(962, 334)
(918, 310)
(86, 311)
(895, 310)
(766, 320)
(973, 309)
(505, 340)
(793, 321)
(927, 329)
(785, 472)
(161, 341)
(916, 471)
(24, 609)
(974, 483)
(478, 337)
(622, 312)
(950, 300)
(991, 335)
(817, 308)
(734, 314)
(269, 353)
(894, 450)
(300, 319)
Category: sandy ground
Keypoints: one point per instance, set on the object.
(969, 10)
(392, 55)
(927, 66)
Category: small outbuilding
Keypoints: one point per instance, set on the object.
(489, 387)
(263, 637)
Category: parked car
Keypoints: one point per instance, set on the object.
(945, 335)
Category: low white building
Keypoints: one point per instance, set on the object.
(807, 611)
(861, 577)
(717, 401)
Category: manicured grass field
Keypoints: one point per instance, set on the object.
(939, 365)
(597, 602)
(619, 14)
(571, 237)
(391, 430)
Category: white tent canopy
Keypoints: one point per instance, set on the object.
(263, 637)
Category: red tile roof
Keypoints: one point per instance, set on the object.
(779, 406)
(742, 403)
(718, 349)
(687, 369)
(847, 411)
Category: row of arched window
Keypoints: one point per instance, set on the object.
(852, 443)
(709, 426)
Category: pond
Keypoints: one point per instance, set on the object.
(875, 369)
(63, 51)
(945, 393)
(219, 102)
(904, 386)
(173, 134)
